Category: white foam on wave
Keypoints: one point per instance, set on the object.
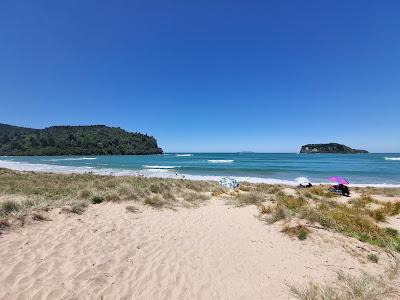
(70, 159)
(184, 155)
(392, 158)
(159, 173)
(160, 167)
(159, 170)
(221, 161)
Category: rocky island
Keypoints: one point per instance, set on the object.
(329, 148)
(75, 140)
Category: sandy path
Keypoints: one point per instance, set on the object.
(212, 252)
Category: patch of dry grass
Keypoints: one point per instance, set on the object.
(387, 192)
(39, 217)
(61, 190)
(356, 219)
(298, 230)
(265, 209)
(132, 209)
(269, 189)
(350, 287)
(290, 202)
(316, 192)
(350, 221)
(282, 207)
(278, 212)
(193, 197)
(78, 207)
(252, 198)
(155, 201)
(11, 208)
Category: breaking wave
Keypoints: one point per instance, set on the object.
(151, 172)
(392, 158)
(184, 155)
(160, 167)
(220, 161)
(71, 158)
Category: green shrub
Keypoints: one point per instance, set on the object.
(78, 208)
(8, 207)
(3, 224)
(392, 232)
(298, 230)
(303, 233)
(373, 257)
(97, 199)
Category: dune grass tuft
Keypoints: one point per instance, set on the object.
(265, 209)
(252, 198)
(97, 199)
(155, 201)
(290, 202)
(350, 287)
(279, 212)
(298, 230)
(78, 207)
(39, 217)
(194, 197)
(132, 209)
(352, 222)
(8, 207)
(373, 257)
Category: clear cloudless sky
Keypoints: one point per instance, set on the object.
(215, 76)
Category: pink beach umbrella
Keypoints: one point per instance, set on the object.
(339, 180)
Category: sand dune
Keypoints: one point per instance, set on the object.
(213, 252)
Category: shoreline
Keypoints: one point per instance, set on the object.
(148, 237)
(159, 173)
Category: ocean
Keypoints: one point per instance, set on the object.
(364, 169)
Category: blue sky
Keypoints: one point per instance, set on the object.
(207, 75)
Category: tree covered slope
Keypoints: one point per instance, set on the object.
(74, 140)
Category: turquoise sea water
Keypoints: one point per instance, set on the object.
(268, 167)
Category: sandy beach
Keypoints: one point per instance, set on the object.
(128, 249)
(215, 251)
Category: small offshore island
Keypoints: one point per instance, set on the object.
(330, 148)
(75, 140)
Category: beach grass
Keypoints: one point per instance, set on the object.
(251, 198)
(75, 192)
(28, 192)
(356, 218)
(353, 287)
(352, 222)
(296, 212)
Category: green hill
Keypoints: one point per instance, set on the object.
(74, 140)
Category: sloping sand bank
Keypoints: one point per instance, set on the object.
(213, 252)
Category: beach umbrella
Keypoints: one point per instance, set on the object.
(302, 180)
(339, 180)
